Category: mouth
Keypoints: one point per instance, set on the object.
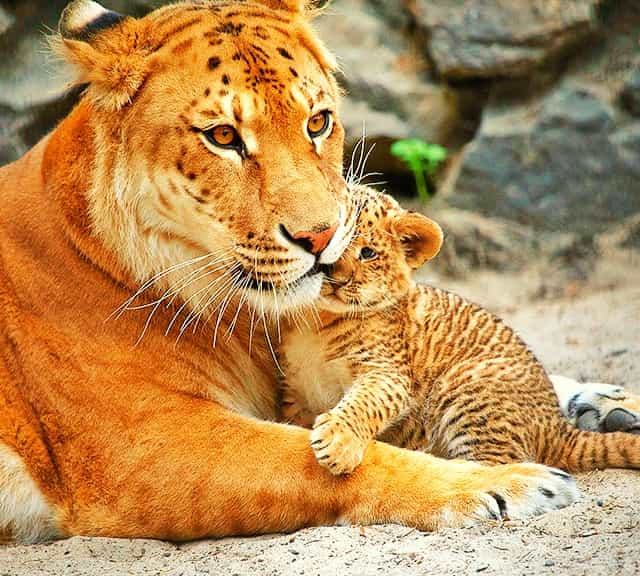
(266, 285)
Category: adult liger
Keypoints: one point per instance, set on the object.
(202, 169)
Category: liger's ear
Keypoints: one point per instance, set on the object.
(100, 44)
(421, 237)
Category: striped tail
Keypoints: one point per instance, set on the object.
(582, 451)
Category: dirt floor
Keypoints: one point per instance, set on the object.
(589, 330)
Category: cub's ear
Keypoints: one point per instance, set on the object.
(421, 237)
(308, 6)
(101, 45)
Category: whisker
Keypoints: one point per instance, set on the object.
(253, 308)
(243, 298)
(233, 289)
(125, 305)
(194, 312)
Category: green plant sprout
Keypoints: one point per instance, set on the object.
(422, 158)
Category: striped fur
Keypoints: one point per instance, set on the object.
(424, 369)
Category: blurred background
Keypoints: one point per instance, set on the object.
(535, 103)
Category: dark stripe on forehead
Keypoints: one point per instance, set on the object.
(182, 46)
(237, 109)
(284, 53)
(282, 31)
(176, 30)
(267, 15)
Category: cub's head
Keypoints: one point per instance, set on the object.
(374, 271)
(216, 145)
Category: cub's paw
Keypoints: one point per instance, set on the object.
(510, 492)
(335, 445)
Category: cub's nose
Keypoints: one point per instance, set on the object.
(313, 241)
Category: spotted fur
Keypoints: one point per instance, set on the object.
(422, 368)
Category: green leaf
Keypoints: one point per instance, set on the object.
(420, 157)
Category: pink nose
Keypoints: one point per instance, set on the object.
(315, 242)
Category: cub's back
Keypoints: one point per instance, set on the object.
(443, 331)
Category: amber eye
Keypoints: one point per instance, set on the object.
(224, 136)
(367, 254)
(319, 123)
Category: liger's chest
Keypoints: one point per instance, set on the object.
(317, 366)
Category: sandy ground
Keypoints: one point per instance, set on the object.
(588, 330)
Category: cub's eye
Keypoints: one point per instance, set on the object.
(224, 136)
(319, 123)
(367, 254)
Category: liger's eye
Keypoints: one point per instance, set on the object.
(224, 136)
(367, 253)
(319, 123)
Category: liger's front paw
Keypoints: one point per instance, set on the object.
(509, 492)
(335, 445)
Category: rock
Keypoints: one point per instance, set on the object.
(11, 144)
(559, 162)
(498, 38)
(624, 235)
(26, 67)
(473, 241)
(396, 82)
(396, 13)
(630, 94)
(576, 109)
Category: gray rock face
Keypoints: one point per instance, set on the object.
(498, 38)
(382, 74)
(561, 163)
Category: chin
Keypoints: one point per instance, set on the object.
(277, 300)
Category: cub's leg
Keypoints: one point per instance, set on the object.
(597, 407)
(376, 399)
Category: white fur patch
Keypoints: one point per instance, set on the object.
(24, 513)
(302, 294)
(572, 393)
(319, 382)
(80, 13)
(339, 242)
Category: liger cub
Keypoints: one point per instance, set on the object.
(420, 367)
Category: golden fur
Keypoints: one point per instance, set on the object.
(129, 201)
(422, 368)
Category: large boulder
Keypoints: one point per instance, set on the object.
(499, 38)
(561, 162)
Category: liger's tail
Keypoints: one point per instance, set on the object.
(581, 451)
